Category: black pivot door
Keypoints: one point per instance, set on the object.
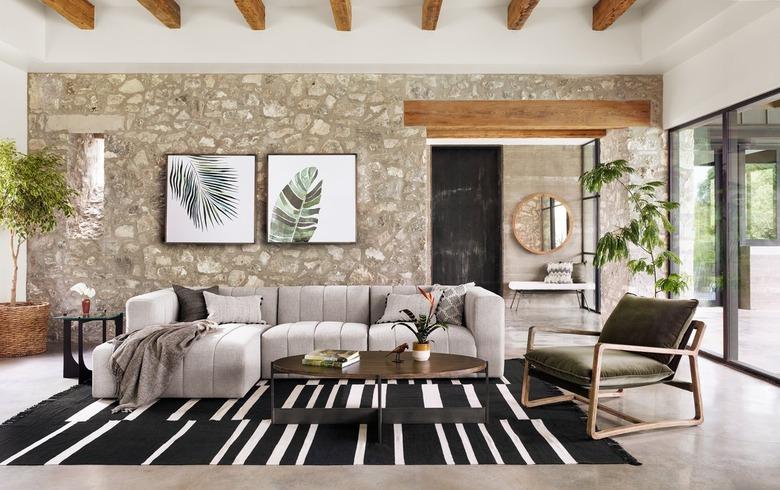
(466, 215)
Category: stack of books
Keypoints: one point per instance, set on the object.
(331, 358)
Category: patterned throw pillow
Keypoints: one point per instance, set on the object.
(559, 273)
(415, 303)
(451, 304)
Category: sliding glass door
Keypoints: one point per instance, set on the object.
(697, 167)
(725, 176)
(754, 144)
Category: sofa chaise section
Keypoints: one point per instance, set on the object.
(225, 363)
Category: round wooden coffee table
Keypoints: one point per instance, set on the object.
(380, 366)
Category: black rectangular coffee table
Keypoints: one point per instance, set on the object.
(379, 366)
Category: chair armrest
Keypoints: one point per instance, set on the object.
(155, 308)
(648, 350)
(570, 331)
(484, 314)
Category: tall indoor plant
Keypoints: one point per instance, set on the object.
(33, 195)
(640, 241)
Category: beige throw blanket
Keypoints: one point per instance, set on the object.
(143, 361)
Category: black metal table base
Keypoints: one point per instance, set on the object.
(382, 415)
(71, 368)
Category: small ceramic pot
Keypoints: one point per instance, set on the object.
(85, 304)
(421, 352)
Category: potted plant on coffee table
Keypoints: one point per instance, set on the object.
(422, 327)
(33, 195)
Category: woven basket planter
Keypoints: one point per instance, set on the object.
(23, 329)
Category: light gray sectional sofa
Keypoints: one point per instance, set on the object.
(227, 362)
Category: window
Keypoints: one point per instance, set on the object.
(725, 177)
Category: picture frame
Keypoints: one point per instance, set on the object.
(312, 198)
(210, 198)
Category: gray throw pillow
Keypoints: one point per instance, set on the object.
(192, 306)
(234, 309)
(451, 305)
(416, 303)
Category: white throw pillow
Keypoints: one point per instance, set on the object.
(416, 303)
(234, 309)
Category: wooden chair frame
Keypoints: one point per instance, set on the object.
(594, 392)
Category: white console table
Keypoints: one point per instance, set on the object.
(577, 288)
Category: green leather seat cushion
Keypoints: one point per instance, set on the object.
(618, 369)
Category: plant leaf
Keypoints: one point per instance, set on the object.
(294, 218)
(418, 334)
(205, 186)
(409, 314)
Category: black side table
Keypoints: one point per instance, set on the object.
(71, 368)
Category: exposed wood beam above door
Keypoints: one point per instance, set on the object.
(254, 13)
(518, 12)
(342, 14)
(166, 11)
(606, 12)
(80, 13)
(430, 14)
(467, 132)
(527, 114)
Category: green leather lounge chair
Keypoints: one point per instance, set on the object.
(641, 344)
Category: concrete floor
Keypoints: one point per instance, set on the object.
(759, 336)
(737, 447)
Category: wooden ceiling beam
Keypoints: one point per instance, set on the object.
(518, 12)
(80, 13)
(467, 132)
(528, 114)
(254, 13)
(430, 14)
(166, 11)
(606, 12)
(342, 14)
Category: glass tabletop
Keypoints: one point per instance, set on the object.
(92, 317)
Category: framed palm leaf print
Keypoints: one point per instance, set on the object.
(210, 199)
(312, 198)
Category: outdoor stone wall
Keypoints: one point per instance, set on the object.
(145, 116)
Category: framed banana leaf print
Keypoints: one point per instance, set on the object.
(210, 199)
(311, 198)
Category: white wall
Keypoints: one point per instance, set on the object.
(13, 125)
(739, 67)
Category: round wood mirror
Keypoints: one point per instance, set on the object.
(542, 223)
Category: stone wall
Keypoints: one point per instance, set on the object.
(145, 116)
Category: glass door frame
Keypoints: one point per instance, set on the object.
(730, 202)
(596, 198)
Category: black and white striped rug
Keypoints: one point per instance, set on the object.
(73, 428)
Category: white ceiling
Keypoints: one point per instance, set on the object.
(652, 37)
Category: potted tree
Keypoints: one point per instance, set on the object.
(640, 241)
(33, 195)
